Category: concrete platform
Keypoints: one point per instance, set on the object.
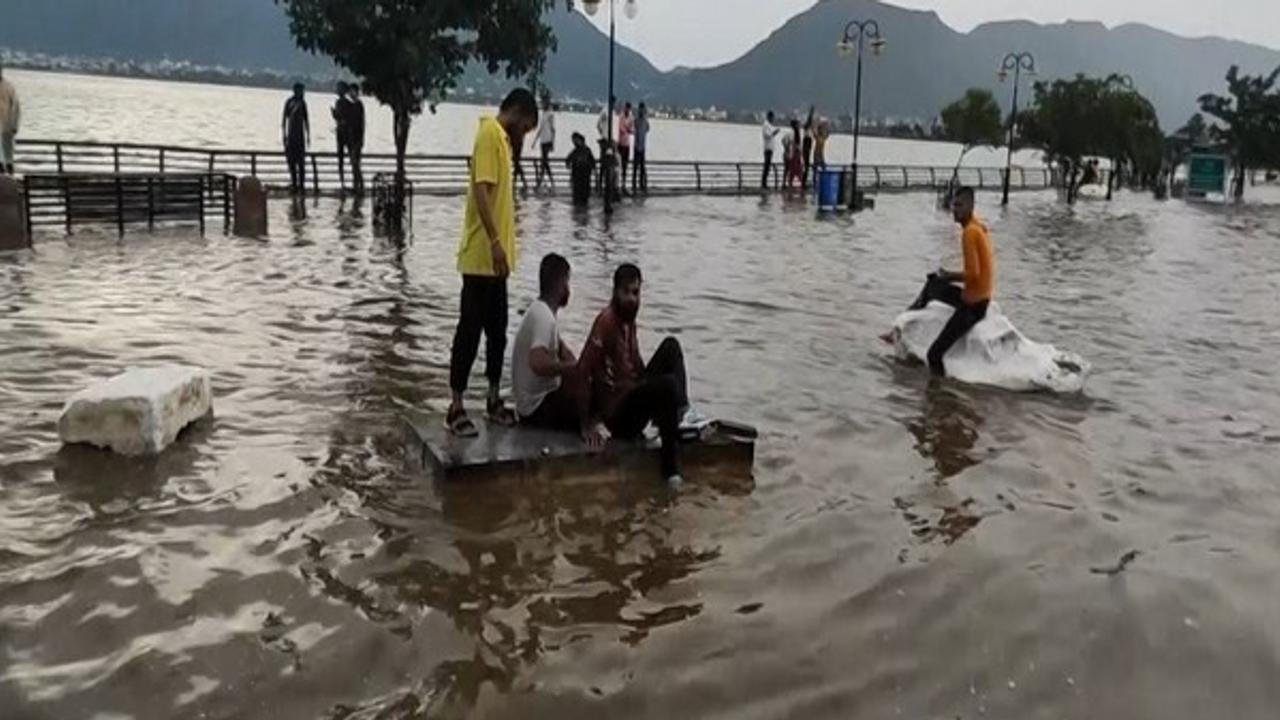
(525, 453)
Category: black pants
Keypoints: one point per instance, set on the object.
(544, 166)
(659, 399)
(297, 158)
(639, 173)
(561, 410)
(768, 169)
(484, 309)
(581, 187)
(962, 320)
(808, 163)
(342, 158)
(356, 151)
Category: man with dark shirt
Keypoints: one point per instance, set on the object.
(626, 393)
(582, 166)
(355, 135)
(341, 114)
(295, 129)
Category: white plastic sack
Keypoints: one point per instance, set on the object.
(992, 353)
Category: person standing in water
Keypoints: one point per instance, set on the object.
(582, 166)
(355, 136)
(640, 168)
(545, 140)
(769, 134)
(487, 255)
(341, 113)
(295, 128)
(10, 118)
(806, 149)
(626, 127)
(970, 291)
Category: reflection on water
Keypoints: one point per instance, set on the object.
(904, 547)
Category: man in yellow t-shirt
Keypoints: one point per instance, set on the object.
(977, 282)
(486, 256)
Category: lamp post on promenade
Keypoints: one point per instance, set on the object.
(631, 9)
(1015, 63)
(857, 35)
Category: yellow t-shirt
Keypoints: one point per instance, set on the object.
(490, 163)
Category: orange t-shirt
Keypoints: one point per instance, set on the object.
(979, 263)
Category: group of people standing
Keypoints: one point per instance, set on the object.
(608, 389)
(349, 128)
(626, 156)
(804, 149)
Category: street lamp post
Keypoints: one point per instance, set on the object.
(856, 35)
(1015, 63)
(592, 7)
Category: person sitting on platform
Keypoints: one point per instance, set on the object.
(549, 390)
(978, 278)
(625, 392)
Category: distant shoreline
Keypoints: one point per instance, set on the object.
(273, 80)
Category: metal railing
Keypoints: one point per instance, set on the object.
(448, 174)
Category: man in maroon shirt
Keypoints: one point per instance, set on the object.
(626, 393)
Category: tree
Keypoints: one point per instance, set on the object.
(1129, 134)
(971, 121)
(1064, 122)
(1248, 122)
(410, 53)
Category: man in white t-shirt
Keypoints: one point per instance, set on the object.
(545, 140)
(769, 134)
(548, 389)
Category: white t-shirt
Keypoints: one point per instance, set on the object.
(537, 330)
(769, 132)
(547, 130)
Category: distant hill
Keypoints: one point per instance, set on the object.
(926, 63)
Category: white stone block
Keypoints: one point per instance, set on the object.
(138, 412)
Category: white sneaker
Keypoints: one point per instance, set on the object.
(675, 482)
(693, 418)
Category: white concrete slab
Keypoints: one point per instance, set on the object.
(138, 412)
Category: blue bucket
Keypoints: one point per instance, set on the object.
(828, 189)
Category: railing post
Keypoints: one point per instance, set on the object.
(697, 169)
(200, 204)
(119, 204)
(933, 178)
(253, 164)
(877, 169)
(981, 181)
(151, 205)
(315, 174)
(906, 182)
(739, 165)
(161, 161)
(115, 154)
(58, 150)
(1022, 175)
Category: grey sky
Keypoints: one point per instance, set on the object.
(710, 32)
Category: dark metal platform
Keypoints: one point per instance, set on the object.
(521, 452)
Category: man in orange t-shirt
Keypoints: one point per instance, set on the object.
(978, 279)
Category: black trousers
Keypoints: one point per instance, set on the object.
(966, 315)
(544, 165)
(581, 187)
(660, 398)
(640, 172)
(484, 309)
(561, 410)
(356, 152)
(297, 159)
(768, 169)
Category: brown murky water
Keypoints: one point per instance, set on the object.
(902, 551)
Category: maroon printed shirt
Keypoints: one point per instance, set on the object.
(611, 361)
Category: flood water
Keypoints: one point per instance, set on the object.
(903, 549)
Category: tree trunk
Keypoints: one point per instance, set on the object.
(1238, 190)
(401, 131)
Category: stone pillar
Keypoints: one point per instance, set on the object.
(251, 208)
(13, 221)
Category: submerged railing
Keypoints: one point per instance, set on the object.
(448, 174)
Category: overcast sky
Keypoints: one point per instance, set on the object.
(710, 32)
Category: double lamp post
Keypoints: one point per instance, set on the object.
(1014, 64)
(592, 7)
(858, 34)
